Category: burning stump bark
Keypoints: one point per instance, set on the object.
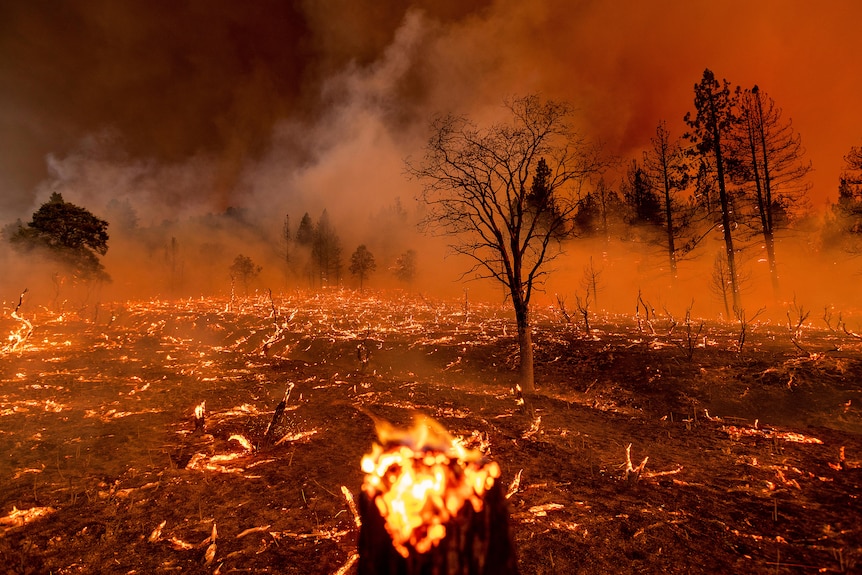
(430, 507)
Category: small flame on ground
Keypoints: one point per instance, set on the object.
(420, 479)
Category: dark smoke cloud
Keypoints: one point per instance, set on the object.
(174, 80)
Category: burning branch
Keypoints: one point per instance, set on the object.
(583, 306)
(648, 311)
(200, 412)
(17, 338)
(796, 330)
(515, 485)
(561, 305)
(633, 474)
(277, 415)
(744, 324)
(273, 311)
(363, 354)
(691, 334)
(352, 505)
(671, 321)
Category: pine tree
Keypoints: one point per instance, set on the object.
(711, 126)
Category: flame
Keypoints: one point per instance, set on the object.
(420, 479)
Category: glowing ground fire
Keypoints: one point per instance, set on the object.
(420, 479)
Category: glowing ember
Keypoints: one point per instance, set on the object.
(420, 479)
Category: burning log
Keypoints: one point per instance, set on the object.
(363, 354)
(430, 507)
(200, 416)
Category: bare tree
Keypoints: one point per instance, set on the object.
(770, 159)
(720, 282)
(590, 281)
(477, 186)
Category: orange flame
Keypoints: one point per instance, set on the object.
(420, 479)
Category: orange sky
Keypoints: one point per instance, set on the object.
(228, 95)
(278, 106)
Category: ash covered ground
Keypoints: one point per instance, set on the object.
(753, 455)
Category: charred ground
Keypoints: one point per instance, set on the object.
(754, 455)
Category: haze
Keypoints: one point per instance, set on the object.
(180, 111)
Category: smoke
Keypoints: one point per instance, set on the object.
(196, 129)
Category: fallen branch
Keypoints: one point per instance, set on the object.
(17, 338)
(632, 473)
(277, 415)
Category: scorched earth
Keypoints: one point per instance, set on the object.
(148, 438)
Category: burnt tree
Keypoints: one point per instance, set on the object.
(478, 190)
(710, 128)
(769, 159)
(667, 168)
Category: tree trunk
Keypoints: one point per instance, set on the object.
(671, 249)
(769, 239)
(525, 349)
(725, 209)
(476, 543)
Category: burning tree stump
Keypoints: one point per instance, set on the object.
(430, 507)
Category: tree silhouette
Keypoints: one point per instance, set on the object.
(69, 235)
(843, 226)
(326, 252)
(667, 169)
(477, 190)
(639, 194)
(244, 270)
(405, 266)
(769, 158)
(286, 238)
(598, 212)
(305, 231)
(711, 126)
(362, 264)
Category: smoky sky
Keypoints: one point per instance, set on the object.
(255, 89)
(171, 80)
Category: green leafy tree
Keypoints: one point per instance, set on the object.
(68, 234)
(477, 188)
(362, 264)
